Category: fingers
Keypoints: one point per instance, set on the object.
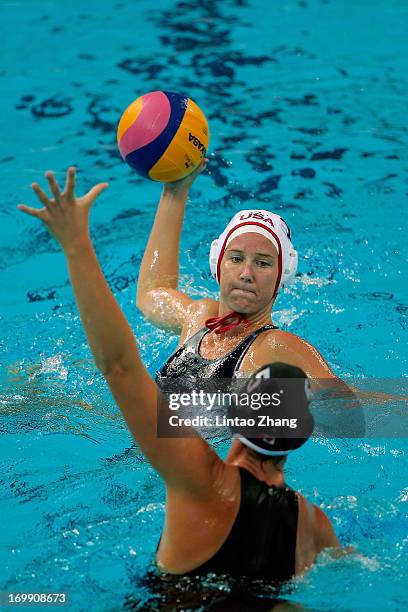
(95, 192)
(204, 164)
(55, 190)
(33, 212)
(70, 183)
(41, 195)
(59, 198)
(200, 168)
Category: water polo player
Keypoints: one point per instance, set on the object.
(251, 260)
(235, 515)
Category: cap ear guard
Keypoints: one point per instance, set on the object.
(290, 268)
(214, 257)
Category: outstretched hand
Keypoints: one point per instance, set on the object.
(65, 216)
(185, 183)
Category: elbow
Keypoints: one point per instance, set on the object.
(142, 305)
(140, 301)
(146, 302)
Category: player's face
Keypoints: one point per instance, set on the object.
(249, 271)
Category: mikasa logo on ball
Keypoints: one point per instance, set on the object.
(196, 142)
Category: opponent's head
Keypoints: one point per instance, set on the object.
(282, 393)
(270, 226)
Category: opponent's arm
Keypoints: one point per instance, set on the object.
(112, 342)
(158, 296)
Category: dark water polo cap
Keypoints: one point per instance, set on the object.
(277, 399)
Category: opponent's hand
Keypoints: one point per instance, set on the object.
(185, 183)
(65, 216)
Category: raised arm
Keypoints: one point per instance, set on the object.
(185, 463)
(158, 296)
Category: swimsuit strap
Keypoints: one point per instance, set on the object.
(246, 343)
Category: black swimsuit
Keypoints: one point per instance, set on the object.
(262, 541)
(186, 361)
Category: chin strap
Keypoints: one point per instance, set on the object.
(220, 325)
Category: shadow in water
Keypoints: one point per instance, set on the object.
(166, 593)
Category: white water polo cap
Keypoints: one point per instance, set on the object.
(268, 224)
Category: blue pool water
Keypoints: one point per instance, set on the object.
(306, 102)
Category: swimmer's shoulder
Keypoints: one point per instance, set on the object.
(324, 534)
(319, 525)
(275, 345)
(315, 532)
(279, 338)
(280, 345)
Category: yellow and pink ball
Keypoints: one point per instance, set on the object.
(163, 136)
